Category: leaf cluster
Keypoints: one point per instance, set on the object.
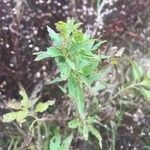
(56, 142)
(140, 80)
(22, 109)
(85, 127)
(73, 51)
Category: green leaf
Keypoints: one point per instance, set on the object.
(88, 55)
(67, 28)
(64, 70)
(41, 107)
(76, 92)
(56, 80)
(85, 131)
(96, 133)
(61, 27)
(72, 87)
(97, 45)
(70, 63)
(144, 92)
(57, 41)
(18, 116)
(55, 142)
(41, 55)
(145, 83)
(81, 62)
(90, 120)
(74, 123)
(89, 69)
(80, 99)
(9, 117)
(51, 52)
(66, 143)
(137, 72)
(25, 100)
(21, 115)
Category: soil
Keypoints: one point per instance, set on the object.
(23, 32)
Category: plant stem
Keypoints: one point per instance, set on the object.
(122, 90)
(39, 139)
(114, 130)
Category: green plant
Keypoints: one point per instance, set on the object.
(28, 114)
(56, 142)
(137, 80)
(85, 127)
(80, 66)
(74, 53)
(25, 108)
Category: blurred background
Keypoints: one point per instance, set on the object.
(123, 23)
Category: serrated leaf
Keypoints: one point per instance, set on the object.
(76, 93)
(9, 117)
(74, 123)
(66, 143)
(55, 142)
(64, 70)
(51, 52)
(81, 62)
(41, 107)
(55, 37)
(66, 28)
(96, 133)
(89, 69)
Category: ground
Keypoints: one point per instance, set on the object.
(123, 23)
